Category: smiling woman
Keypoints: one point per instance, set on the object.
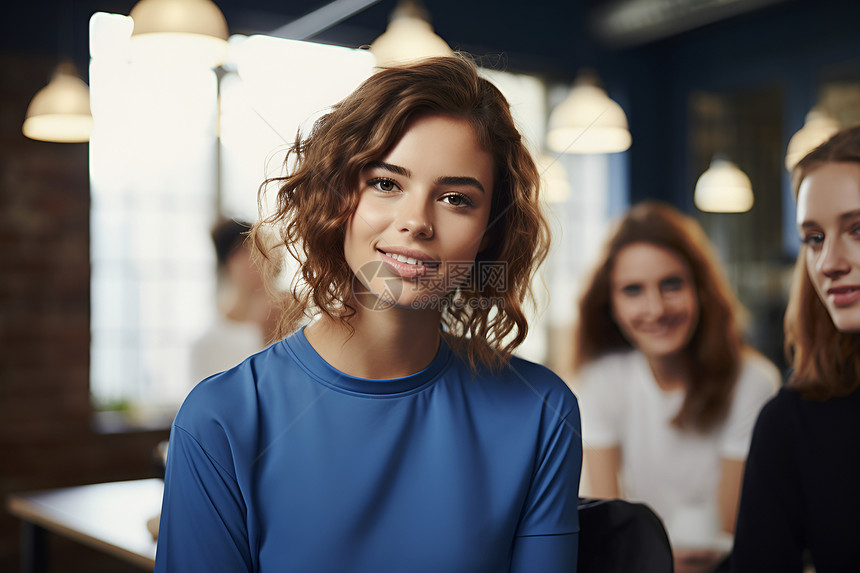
(669, 389)
(399, 431)
(800, 496)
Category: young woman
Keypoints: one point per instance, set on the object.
(395, 432)
(669, 390)
(800, 497)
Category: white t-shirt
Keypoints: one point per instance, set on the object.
(661, 465)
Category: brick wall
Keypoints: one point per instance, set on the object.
(46, 438)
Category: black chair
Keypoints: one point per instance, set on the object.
(617, 536)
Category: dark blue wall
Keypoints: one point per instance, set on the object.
(792, 45)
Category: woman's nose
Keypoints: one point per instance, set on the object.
(832, 262)
(654, 304)
(415, 219)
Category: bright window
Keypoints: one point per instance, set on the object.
(153, 182)
(159, 177)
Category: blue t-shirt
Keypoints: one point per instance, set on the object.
(284, 463)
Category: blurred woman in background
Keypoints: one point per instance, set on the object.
(800, 497)
(246, 319)
(669, 389)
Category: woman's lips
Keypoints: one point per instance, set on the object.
(665, 325)
(844, 296)
(407, 267)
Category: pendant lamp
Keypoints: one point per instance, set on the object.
(818, 128)
(723, 188)
(60, 111)
(178, 30)
(588, 121)
(408, 37)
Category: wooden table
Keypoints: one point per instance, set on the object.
(110, 517)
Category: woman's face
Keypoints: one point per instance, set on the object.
(421, 215)
(653, 299)
(828, 219)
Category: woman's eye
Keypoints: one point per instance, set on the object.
(813, 239)
(672, 284)
(631, 290)
(457, 200)
(384, 185)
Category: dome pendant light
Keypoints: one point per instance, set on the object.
(409, 37)
(179, 30)
(60, 111)
(723, 188)
(588, 121)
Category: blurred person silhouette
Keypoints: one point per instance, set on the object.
(246, 318)
(244, 322)
(396, 431)
(800, 500)
(669, 389)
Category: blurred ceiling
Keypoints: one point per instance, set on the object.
(545, 36)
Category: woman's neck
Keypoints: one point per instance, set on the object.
(385, 344)
(670, 372)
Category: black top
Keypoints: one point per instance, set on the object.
(619, 536)
(801, 489)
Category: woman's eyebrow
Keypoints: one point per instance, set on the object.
(460, 182)
(396, 169)
(849, 215)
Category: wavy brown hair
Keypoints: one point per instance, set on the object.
(825, 362)
(715, 349)
(319, 194)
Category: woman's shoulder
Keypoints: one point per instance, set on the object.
(759, 378)
(758, 381)
(229, 397)
(758, 367)
(532, 380)
(786, 399)
(535, 372)
(790, 417)
(780, 415)
(791, 400)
